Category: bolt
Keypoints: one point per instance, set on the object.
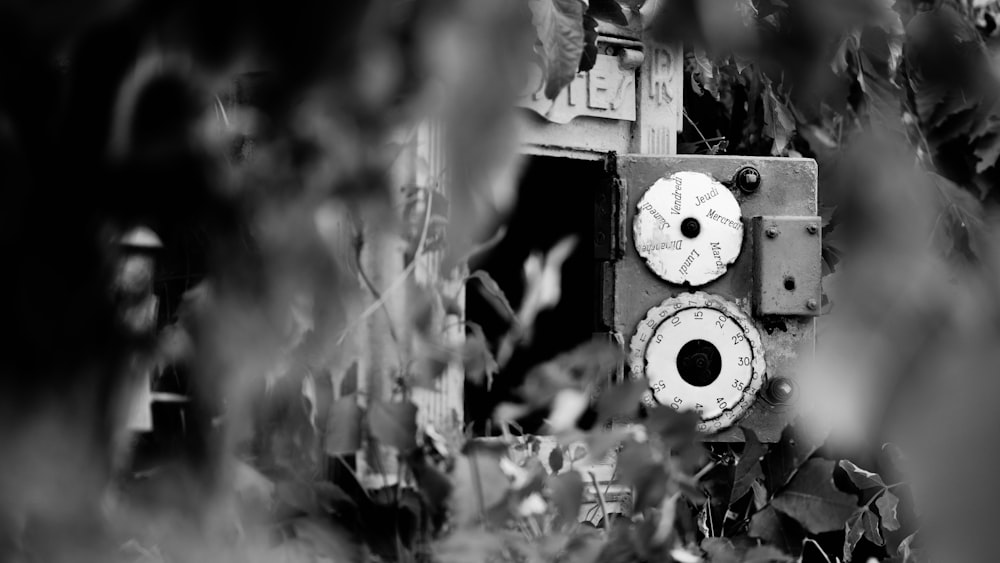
(780, 390)
(747, 179)
(812, 229)
(812, 305)
(690, 227)
(771, 232)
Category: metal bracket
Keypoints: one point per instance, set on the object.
(608, 220)
(787, 268)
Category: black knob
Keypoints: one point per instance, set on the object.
(690, 227)
(781, 390)
(748, 179)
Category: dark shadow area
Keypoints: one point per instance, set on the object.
(555, 200)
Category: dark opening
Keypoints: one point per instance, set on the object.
(555, 200)
(690, 227)
(699, 363)
(790, 283)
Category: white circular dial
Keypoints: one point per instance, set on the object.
(699, 352)
(688, 228)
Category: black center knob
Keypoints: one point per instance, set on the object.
(690, 227)
(699, 363)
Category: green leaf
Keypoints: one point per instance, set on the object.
(343, 427)
(559, 24)
(861, 478)
(811, 498)
(887, 505)
(393, 424)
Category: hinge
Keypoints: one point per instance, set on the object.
(609, 219)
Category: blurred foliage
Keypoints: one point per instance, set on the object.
(262, 139)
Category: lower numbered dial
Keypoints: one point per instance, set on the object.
(699, 352)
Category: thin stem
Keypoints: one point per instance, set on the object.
(696, 129)
(380, 301)
(600, 501)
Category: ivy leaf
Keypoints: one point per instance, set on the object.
(779, 124)
(621, 399)
(556, 459)
(479, 484)
(720, 550)
(987, 149)
(479, 361)
(863, 523)
(872, 531)
(567, 494)
(543, 278)
(812, 499)
(783, 459)
(492, 292)
(771, 527)
(434, 485)
(854, 530)
(349, 384)
(343, 427)
(748, 467)
(559, 24)
(887, 504)
(861, 478)
(610, 11)
(393, 424)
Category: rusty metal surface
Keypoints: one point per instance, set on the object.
(788, 187)
(787, 265)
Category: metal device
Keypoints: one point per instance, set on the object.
(710, 270)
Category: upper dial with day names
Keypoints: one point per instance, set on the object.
(688, 228)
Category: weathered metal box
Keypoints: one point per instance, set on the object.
(752, 289)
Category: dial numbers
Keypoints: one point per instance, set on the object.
(700, 353)
(670, 361)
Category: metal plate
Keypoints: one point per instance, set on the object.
(787, 265)
(787, 188)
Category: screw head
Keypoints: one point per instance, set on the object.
(748, 179)
(781, 390)
(771, 232)
(812, 304)
(690, 227)
(812, 229)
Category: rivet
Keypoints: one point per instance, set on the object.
(780, 390)
(748, 179)
(812, 305)
(812, 229)
(771, 232)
